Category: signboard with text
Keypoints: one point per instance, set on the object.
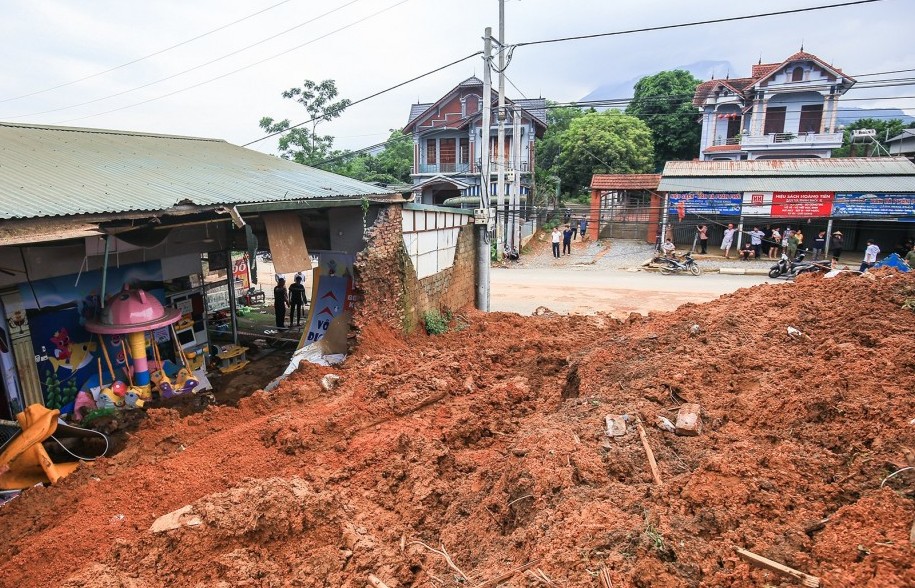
(757, 204)
(801, 204)
(870, 205)
(705, 203)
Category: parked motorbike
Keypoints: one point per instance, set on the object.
(792, 268)
(672, 265)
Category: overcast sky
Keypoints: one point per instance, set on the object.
(369, 45)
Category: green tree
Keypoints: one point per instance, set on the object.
(664, 102)
(886, 129)
(393, 165)
(600, 143)
(548, 148)
(303, 144)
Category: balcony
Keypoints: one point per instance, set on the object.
(792, 141)
(444, 168)
(508, 165)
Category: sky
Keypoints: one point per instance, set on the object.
(213, 68)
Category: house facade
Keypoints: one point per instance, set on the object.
(783, 110)
(447, 135)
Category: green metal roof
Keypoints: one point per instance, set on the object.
(61, 171)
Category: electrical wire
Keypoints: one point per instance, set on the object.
(181, 73)
(145, 57)
(240, 69)
(698, 23)
(369, 97)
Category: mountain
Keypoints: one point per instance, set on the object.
(704, 70)
(849, 114)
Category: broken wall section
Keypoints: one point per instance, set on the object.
(389, 291)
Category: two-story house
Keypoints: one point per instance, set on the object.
(783, 110)
(447, 135)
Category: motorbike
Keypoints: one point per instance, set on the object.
(792, 268)
(672, 265)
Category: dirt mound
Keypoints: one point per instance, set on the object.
(479, 458)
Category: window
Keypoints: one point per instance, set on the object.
(447, 153)
(811, 118)
(430, 152)
(797, 75)
(465, 150)
(775, 120)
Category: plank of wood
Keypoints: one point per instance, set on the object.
(774, 566)
(183, 517)
(376, 581)
(655, 472)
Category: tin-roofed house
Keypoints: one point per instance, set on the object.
(84, 212)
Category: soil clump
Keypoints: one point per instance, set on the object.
(479, 458)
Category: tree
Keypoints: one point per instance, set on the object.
(393, 165)
(886, 129)
(664, 102)
(602, 142)
(547, 147)
(301, 144)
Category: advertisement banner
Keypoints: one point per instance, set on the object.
(240, 270)
(704, 203)
(757, 203)
(331, 292)
(869, 205)
(801, 204)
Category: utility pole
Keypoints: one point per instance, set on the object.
(500, 165)
(516, 181)
(482, 214)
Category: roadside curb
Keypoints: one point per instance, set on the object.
(740, 271)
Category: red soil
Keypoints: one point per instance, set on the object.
(488, 443)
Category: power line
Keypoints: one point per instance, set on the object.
(139, 59)
(196, 67)
(697, 23)
(235, 71)
(376, 94)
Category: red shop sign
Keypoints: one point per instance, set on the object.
(801, 204)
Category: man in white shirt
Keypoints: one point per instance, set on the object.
(870, 256)
(557, 237)
(756, 241)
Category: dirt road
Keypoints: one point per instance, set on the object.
(617, 292)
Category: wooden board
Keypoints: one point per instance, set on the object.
(287, 243)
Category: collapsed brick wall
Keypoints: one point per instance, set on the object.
(378, 272)
(385, 279)
(450, 289)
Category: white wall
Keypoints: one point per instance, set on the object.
(430, 238)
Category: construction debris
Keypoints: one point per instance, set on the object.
(183, 517)
(774, 566)
(616, 424)
(689, 420)
(655, 472)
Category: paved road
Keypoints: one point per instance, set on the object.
(617, 292)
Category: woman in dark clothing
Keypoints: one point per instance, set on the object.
(835, 245)
(280, 302)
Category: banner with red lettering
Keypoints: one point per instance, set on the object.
(801, 204)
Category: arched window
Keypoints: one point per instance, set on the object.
(797, 75)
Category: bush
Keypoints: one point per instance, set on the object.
(436, 322)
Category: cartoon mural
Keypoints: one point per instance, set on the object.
(57, 309)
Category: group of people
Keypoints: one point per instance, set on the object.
(772, 241)
(567, 234)
(294, 299)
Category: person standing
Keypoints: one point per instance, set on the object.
(280, 302)
(836, 243)
(756, 241)
(792, 245)
(728, 240)
(776, 239)
(567, 240)
(557, 237)
(910, 256)
(702, 231)
(574, 230)
(297, 300)
(819, 245)
(583, 227)
(870, 256)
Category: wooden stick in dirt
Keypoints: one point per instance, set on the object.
(774, 566)
(499, 579)
(655, 472)
(376, 581)
(604, 577)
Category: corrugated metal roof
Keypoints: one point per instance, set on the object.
(888, 184)
(625, 181)
(840, 166)
(56, 171)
